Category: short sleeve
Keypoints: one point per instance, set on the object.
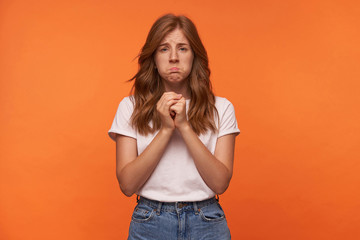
(122, 121)
(227, 120)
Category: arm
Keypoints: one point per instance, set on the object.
(132, 171)
(216, 170)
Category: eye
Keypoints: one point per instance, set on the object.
(163, 49)
(183, 49)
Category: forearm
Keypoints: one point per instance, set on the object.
(134, 174)
(214, 173)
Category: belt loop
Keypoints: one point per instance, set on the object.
(158, 208)
(137, 198)
(196, 209)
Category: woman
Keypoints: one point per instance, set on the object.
(174, 139)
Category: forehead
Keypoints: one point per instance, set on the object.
(175, 36)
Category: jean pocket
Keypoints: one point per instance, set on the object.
(142, 213)
(212, 213)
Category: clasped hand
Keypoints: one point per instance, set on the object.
(172, 110)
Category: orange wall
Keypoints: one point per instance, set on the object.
(291, 68)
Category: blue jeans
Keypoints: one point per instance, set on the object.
(152, 220)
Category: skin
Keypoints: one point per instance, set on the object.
(173, 59)
(132, 169)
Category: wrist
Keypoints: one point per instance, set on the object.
(184, 128)
(166, 131)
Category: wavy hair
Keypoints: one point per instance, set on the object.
(148, 87)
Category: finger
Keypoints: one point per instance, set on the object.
(164, 108)
(183, 100)
(167, 99)
(167, 95)
(176, 108)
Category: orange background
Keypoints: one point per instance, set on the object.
(291, 69)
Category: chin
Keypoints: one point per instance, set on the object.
(174, 79)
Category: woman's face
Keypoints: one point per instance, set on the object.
(174, 58)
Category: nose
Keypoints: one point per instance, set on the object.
(173, 56)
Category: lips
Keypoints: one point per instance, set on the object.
(174, 69)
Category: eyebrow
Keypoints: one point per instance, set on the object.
(179, 44)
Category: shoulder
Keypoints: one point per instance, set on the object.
(128, 100)
(222, 103)
(127, 103)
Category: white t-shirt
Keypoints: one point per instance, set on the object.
(176, 177)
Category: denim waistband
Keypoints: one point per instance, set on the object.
(174, 206)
